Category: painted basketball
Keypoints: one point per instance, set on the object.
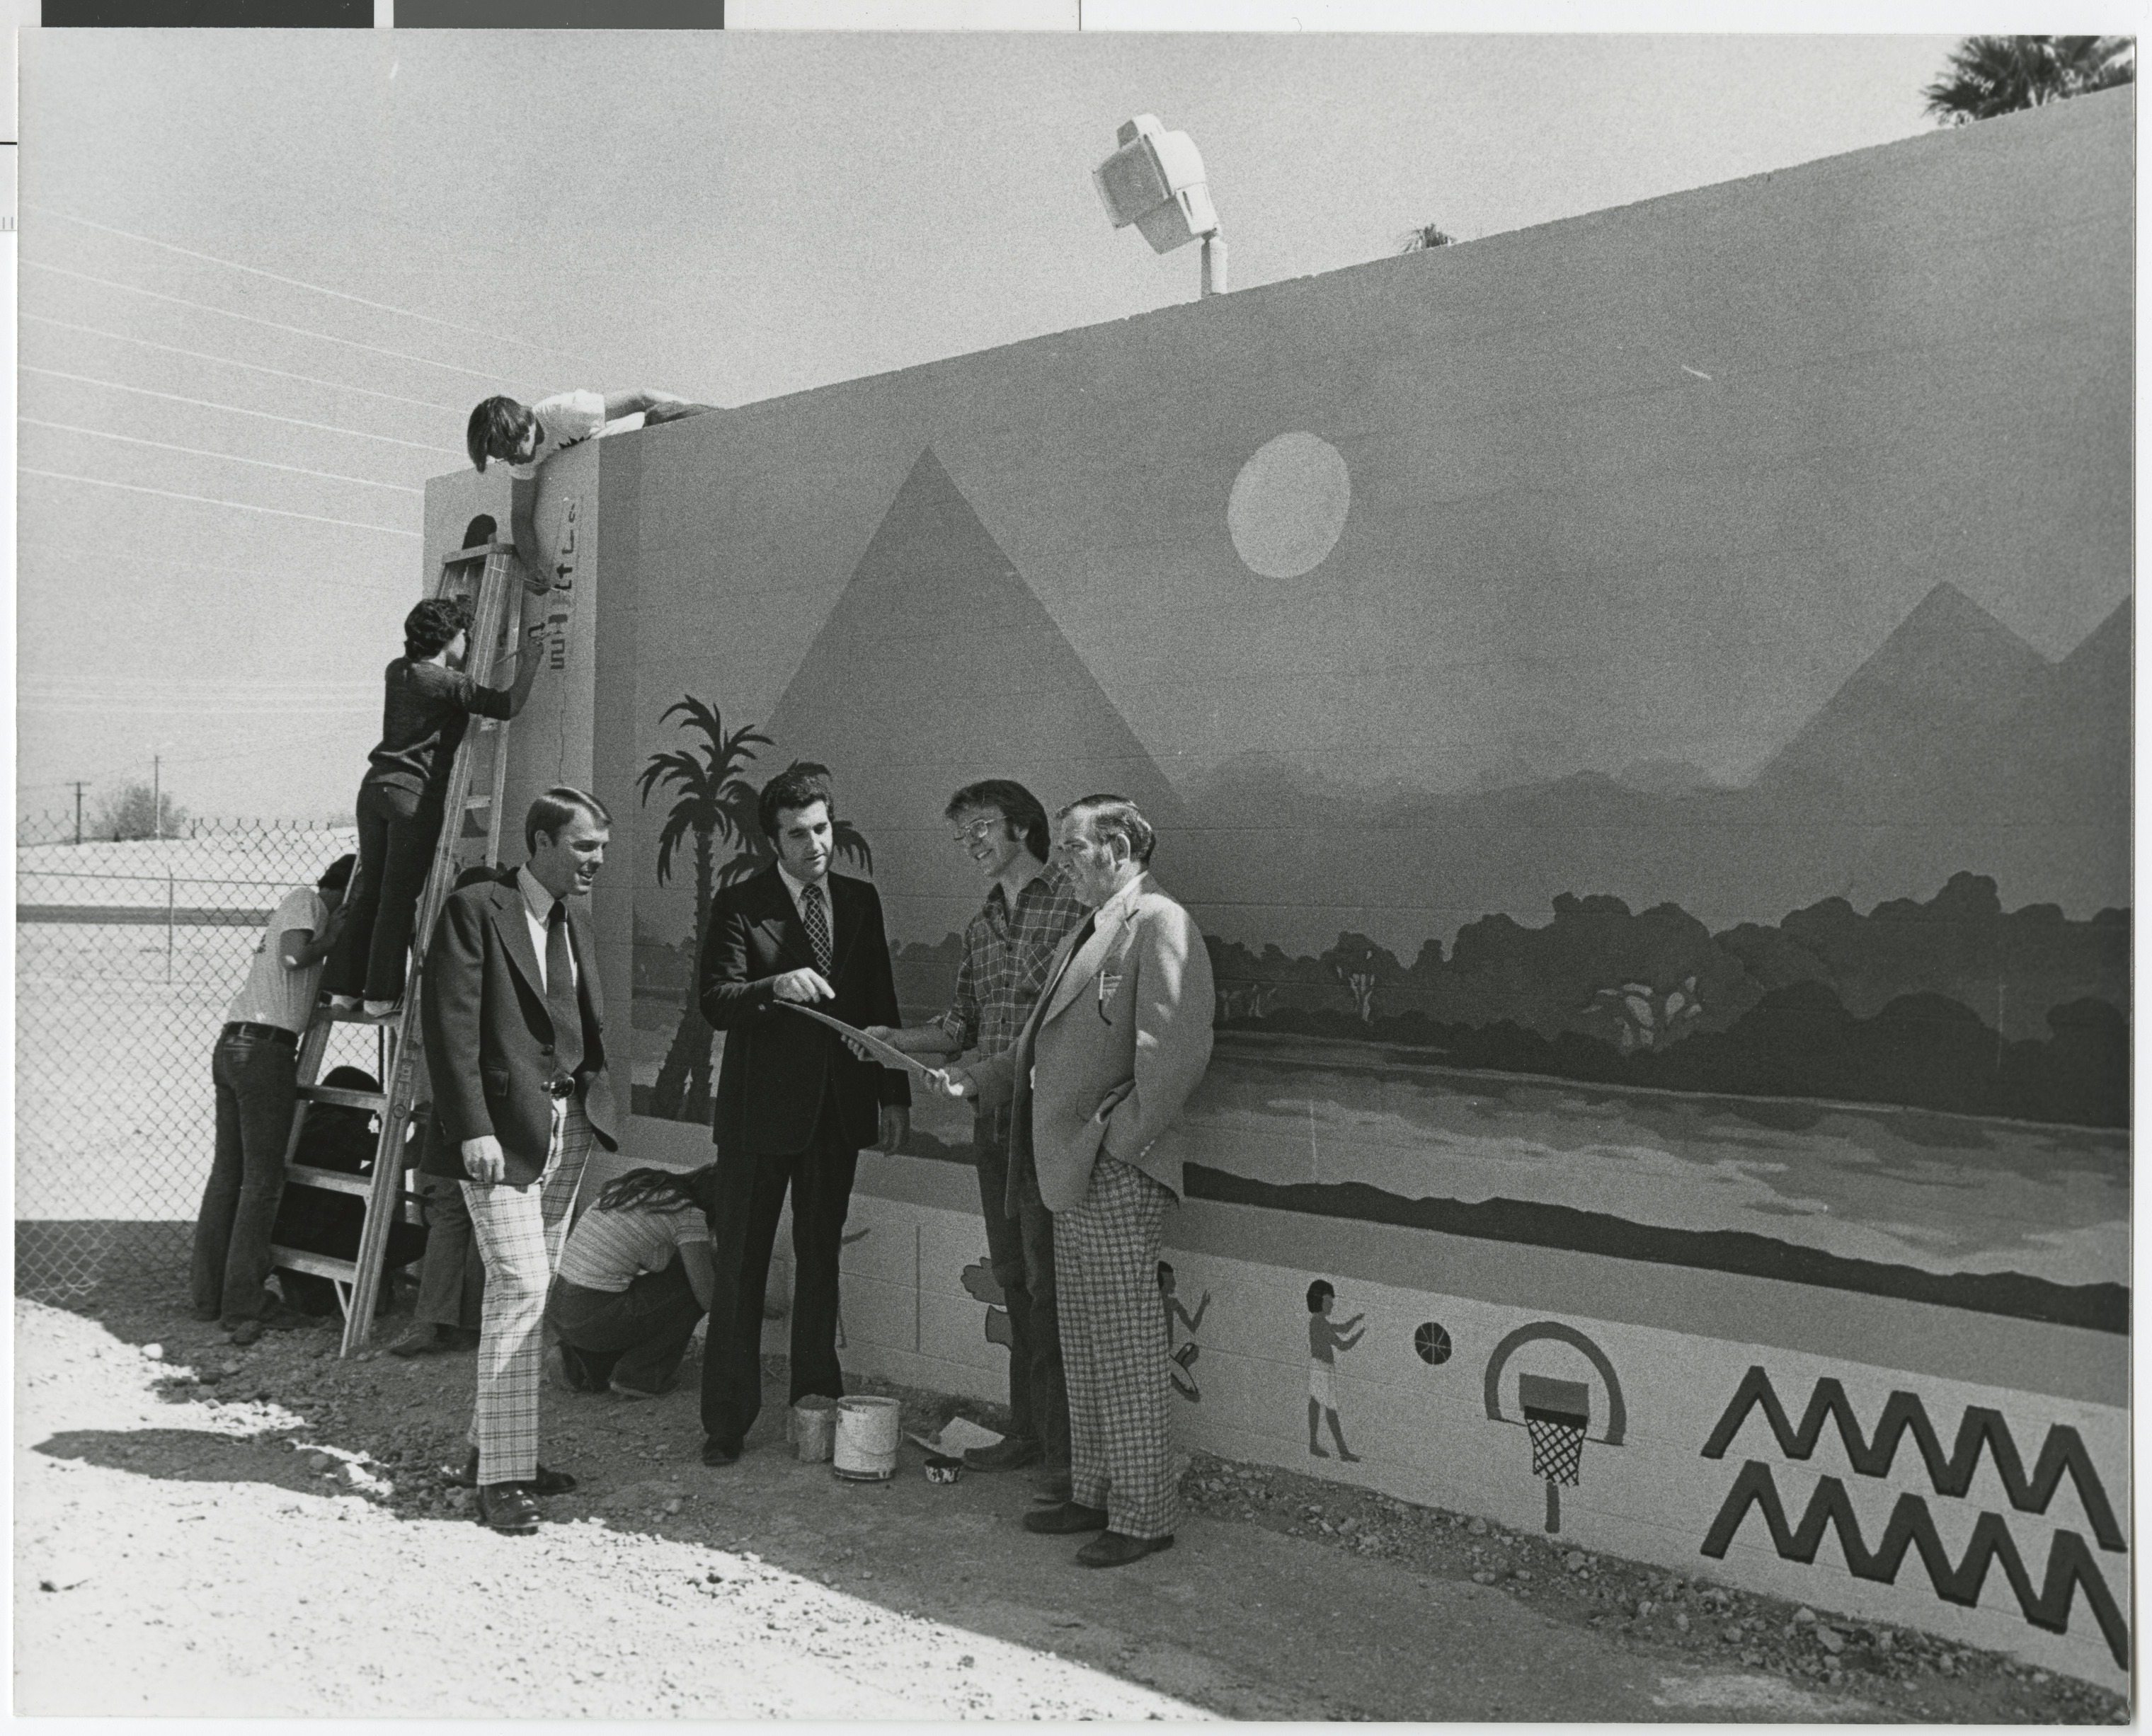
(1431, 1342)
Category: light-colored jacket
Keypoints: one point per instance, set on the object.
(1109, 1055)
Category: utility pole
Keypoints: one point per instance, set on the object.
(157, 795)
(79, 784)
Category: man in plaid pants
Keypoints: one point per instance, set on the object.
(515, 1031)
(1120, 1037)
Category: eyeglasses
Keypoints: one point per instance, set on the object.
(976, 832)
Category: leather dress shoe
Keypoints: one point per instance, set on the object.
(720, 1452)
(509, 1508)
(1116, 1549)
(546, 1482)
(1066, 1520)
(1012, 1452)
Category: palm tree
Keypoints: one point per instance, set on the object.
(1426, 236)
(709, 806)
(1991, 75)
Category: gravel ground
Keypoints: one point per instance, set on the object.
(215, 1532)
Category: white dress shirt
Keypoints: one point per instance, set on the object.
(538, 910)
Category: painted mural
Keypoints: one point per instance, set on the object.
(1641, 710)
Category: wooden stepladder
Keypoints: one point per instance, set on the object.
(488, 575)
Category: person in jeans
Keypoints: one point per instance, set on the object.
(255, 1070)
(635, 1276)
(429, 700)
(1008, 948)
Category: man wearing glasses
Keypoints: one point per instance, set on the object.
(1008, 946)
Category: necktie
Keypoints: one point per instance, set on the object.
(561, 1004)
(818, 927)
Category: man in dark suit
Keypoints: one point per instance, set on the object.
(515, 1031)
(795, 1104)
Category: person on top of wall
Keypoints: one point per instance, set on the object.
(1008, 947)
(344, 1141)
(255, 1069)
(524, 435)
(429, 701)
(1120, 1036)
(635, 1276)
(795, 1102)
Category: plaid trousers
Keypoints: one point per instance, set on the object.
(1113, 1350)
(520, 1232)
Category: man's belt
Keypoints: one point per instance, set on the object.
(560, 1085)
(268, 1033)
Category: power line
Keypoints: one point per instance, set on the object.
(134, 289)
(69, 427)
(394, 398)
(274, 512)
(203, 404)
(298, 283)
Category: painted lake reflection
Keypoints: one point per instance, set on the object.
(1941, 1193)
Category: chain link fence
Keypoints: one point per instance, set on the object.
(127, 955)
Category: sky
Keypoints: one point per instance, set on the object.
(272, 273)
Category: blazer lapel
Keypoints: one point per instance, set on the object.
(847, 917)
(1083, 965)
(587, 985)
(780, 917)
(511, 919)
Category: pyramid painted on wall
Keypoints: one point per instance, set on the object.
(938, 666)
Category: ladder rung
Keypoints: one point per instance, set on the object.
(321, 1265)
(356, 1016)
(336, 1180)
(374, 1102)
(478, 801)
(477, 551)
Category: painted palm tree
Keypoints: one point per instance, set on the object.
(1991, 75)
(1425, 238)
(712, 798)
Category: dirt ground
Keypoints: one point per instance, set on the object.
(208, 1531)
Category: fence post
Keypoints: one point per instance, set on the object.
(168, 925)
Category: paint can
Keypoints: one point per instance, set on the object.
(867, 1429)
(943, 1468)
(814, 1427)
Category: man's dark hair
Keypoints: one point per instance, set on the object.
(337, 874)
(801, 784)
(432, 624)
(558, 806)
(1319, 1292)
(1018, 806)
(497, 422)
(662, 1189)
(1116, 817)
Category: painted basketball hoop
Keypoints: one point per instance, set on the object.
(1557, 1414)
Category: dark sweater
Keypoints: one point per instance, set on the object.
(424, 712)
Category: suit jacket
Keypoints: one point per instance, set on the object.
(489, 1038)
(1109, 1055)
(778, 1067)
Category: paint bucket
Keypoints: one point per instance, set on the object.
(943, 1468)
(866, 1439)
(814, 1427)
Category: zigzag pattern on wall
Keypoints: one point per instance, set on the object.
(2063, 1449)
(2070, 1562)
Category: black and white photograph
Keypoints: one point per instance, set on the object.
(1102, 874)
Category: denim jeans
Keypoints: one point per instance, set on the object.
(636, 1336)
(397, 829)
(1020, 1248)
(257, 1082)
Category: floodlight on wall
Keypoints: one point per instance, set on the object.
(1155, 181)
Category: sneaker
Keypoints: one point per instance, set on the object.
(383, 1009)
(344, 1003)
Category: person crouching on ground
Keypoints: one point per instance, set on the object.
(255, 1070)
(402, 798)
(635, 1278)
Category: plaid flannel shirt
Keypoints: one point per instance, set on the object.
(1006, 956)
